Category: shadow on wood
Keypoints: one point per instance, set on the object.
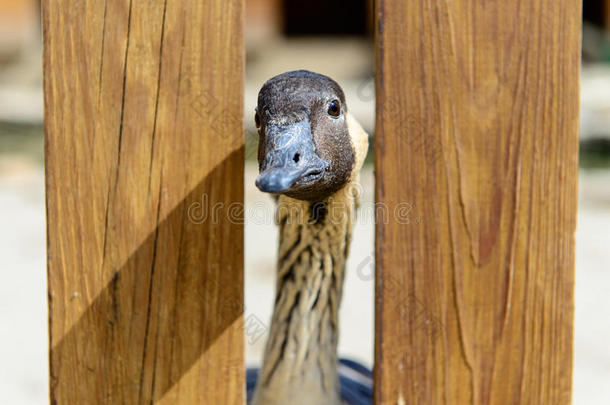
(162, 297)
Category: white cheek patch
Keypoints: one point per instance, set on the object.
(360, 142)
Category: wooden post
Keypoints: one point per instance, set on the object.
(144, 158)
(476, 151)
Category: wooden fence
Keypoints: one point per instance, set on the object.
(477, 120)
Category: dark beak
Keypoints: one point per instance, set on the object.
(289, 158)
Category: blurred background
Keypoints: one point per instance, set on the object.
(334, 38)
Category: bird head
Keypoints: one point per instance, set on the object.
(305, 150)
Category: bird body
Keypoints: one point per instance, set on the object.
(315, 219)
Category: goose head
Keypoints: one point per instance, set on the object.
(305, 148)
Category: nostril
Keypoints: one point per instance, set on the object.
(296, 157)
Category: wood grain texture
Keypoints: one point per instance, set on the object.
(477, 138)
(144, 166)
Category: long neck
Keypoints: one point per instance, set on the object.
(300, 362)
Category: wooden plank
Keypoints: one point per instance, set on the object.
(144, 158)
(476, 151)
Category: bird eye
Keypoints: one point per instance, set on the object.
(334, 108)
